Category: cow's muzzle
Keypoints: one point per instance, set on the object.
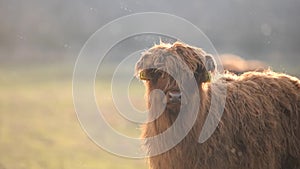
(174, 97)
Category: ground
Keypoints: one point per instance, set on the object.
(38, 124)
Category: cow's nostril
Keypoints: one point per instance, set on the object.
(174, 97)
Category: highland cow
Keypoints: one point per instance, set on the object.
(259, 127)
(238, 65)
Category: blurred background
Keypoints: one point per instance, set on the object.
(40, 41)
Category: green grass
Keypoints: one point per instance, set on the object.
(39, 127)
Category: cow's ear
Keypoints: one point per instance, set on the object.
(210, 63)
(204, 70)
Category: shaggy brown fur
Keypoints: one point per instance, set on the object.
(259, 128)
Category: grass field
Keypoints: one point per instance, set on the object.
(39, 127)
